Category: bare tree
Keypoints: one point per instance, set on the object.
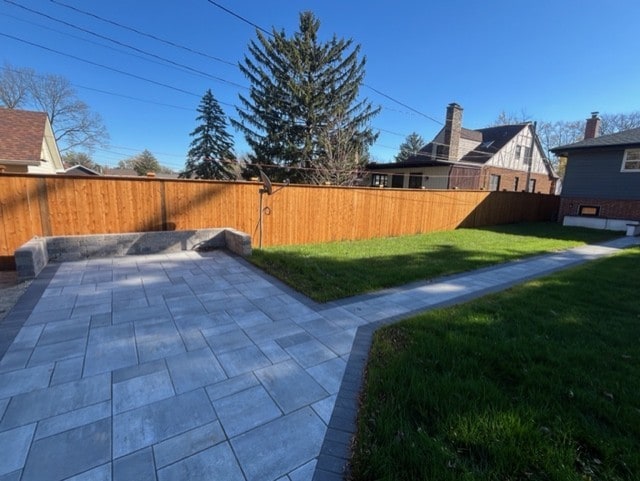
(14, 86)
(74, 124)
(511, 118)
(612, 123)
(562, 132)
(343, 161)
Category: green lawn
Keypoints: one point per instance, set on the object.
(540, 382)
(340, 269)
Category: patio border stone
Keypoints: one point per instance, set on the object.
(34, 255)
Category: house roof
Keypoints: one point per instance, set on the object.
(21, 134)
(79, 169)
(626, 137)
(491, 139)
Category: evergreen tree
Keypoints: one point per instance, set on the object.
(212, 146)
(145, 162)
(303, 92)
(411, 145)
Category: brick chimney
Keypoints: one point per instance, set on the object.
(452, 129)
(592, 129)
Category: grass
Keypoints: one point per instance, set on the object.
(541, 382)
(335, 270)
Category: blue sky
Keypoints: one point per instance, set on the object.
(553, 59)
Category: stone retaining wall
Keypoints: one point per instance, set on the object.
(32, 256)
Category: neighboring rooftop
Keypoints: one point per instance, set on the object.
(492, 140)
(626, 137)
(21, 134)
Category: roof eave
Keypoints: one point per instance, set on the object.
(33, 163)
(563, 149)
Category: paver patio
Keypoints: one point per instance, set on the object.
(193, 366)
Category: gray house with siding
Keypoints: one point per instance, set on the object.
(601, 186)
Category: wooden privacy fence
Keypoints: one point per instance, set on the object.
(45, 205)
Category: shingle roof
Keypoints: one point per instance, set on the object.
(493, 139)
(21, 134)
(626, 137)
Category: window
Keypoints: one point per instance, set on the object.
(631, 161)
(532, 185)
(415, 180)
(494, 182)
(379, 180)
(516, 181)
(518, 151)
(397, 181)
(527, 156)
(589, 210)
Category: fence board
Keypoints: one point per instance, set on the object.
(293, 215)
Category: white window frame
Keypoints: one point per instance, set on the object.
(497, 179)
(379, 180)
(623, 167)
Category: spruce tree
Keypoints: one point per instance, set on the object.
(145, 162)
(411, 145)
(303, 93)
(212, 146)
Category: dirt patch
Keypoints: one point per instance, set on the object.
(10, 291)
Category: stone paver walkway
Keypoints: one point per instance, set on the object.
(193, 366)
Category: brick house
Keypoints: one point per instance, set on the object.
(27, 143)
(507, 157)
(602, 180)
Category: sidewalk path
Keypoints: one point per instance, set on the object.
(198, 366)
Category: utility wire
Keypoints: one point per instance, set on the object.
(93, 42)
(389, 97)
(145, 34)
(117, 42)
(90, 62)
(240, 17)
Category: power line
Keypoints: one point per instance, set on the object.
(131, 54)
(402, 104)
(240, 17)
(90, 62)
(145, 34)
(389, 97)
(122, 44)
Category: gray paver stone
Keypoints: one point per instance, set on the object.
(280, 446)
(290, 385)
(214, 463)
(156, 422)
(188, 444)
(194, 369)
(49, 458)
(245, 410)
(14, 446)
(138, 466)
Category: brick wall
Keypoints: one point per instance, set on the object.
(609, 208)
(544, 184)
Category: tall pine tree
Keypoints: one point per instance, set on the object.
(304, 92)
(212, 147)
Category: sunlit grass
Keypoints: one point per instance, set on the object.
(541, 382)
(340, 269)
